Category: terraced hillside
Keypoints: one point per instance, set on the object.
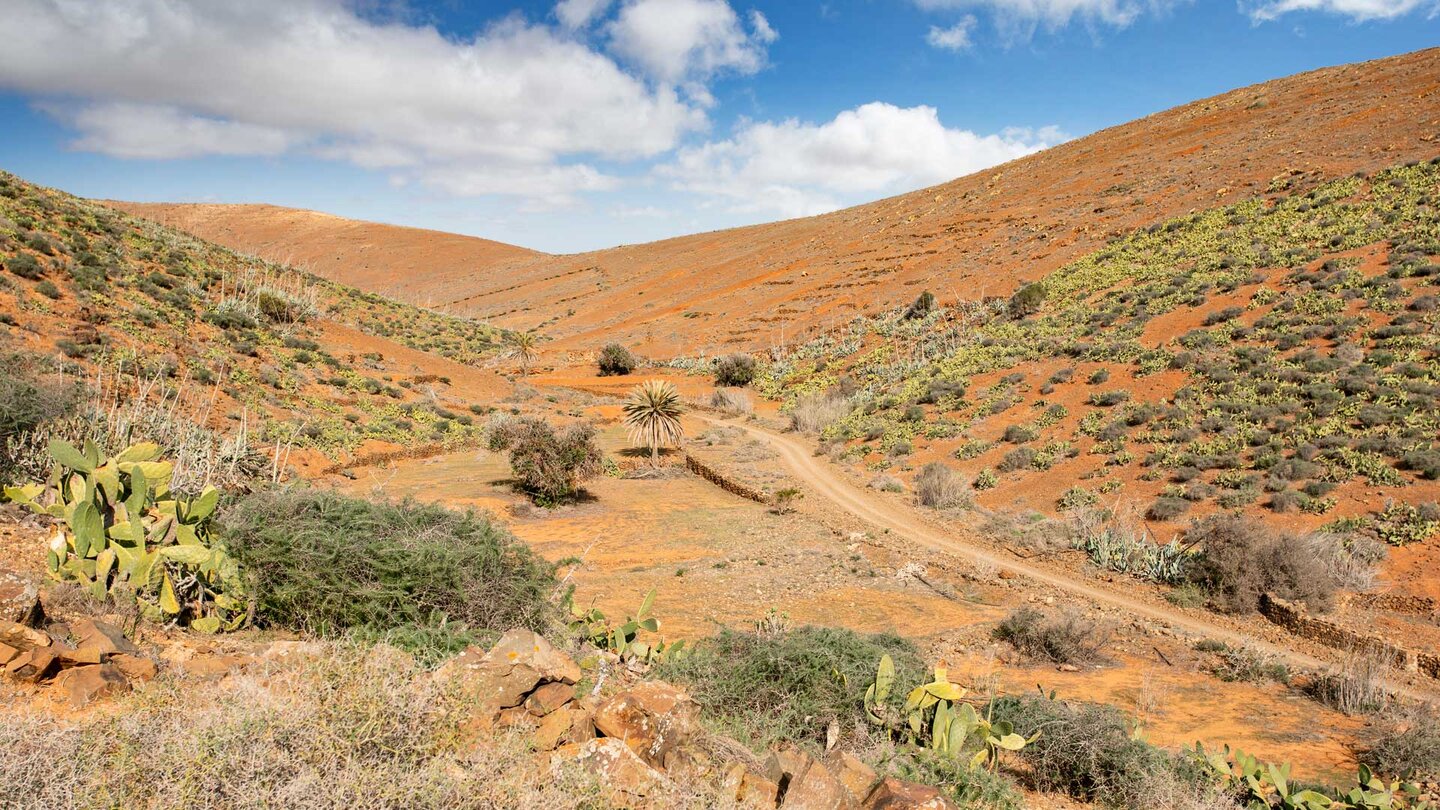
(981, 235)
(1279, 354)
(251, 349)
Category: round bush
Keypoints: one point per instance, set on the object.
(735, 370)
(616, 361)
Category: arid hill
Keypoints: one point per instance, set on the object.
(388, 259)
(981, 235)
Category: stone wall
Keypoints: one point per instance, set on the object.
(718, 478)
(1298, 621)
(1394, 603)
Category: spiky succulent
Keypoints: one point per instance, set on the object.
(653, 416)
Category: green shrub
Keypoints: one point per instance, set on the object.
(789, 686)
(1167, 508)
(735, 370)
(1064, 640)
(1027, 300)
(1090, 752)
(48, 289)
(550, 466)
(325, 563)
(616, 361)
(24, 266)
(967, 785)
(1018, 459)
(986, 479)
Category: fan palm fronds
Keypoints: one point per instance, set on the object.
(653, 416)
(525, 347)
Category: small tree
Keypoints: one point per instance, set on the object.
(616, 361)
(736, 370)
(524, 347)
(548, 465)
(653, 416)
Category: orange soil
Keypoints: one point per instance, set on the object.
(980, 235)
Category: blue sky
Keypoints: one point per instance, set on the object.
(590, 123)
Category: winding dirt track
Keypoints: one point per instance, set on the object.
(827, 483)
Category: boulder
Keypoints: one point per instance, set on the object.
(896, 794)
(101, 639)
(134, 667)
(7, 654)
(21, 637)
(628, 778)
(556, 728)
(548, 697)
(858, 778)
(749, 789)
(805, 783)
(32, 665)
(20, 601)
(503, 677)
(212, 666)
(653, 718)
(85, 684)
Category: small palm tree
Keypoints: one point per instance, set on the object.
(653, 416)
(525, 347)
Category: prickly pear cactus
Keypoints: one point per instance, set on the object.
(122, 533)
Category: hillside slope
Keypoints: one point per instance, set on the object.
(981, 235)
(387, 259)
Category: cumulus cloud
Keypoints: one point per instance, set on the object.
(1358, 10)
(795, 168)
(954, 38)
(522, 104)
(575, 14)
(676, 41)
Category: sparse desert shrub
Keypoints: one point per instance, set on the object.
(347, 718)
(1099, 376)
(966, 784)
(1167, 508)
(1361, 686)
(24, 266)
(1019, 434)
(731, 401)
(1243, 559)
(1250, 665)
(616, 361)
(326, 563)
(1027, 300)
(812, 413)
(1067, 639)
(548, 465)
(737, 370)
(1109, 399)
(1078, 498)
(886, 483)
(789, 686)
(939, 487)
(1018, 459)
(920, 307)
(1352, 559)
(48, 289)
(1406, 745)
(1090, 752)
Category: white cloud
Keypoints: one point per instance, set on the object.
(798, 169)
(519, 103)
(680, 41)
(1358, 10)
(1018, 19)
(954, 38)
(575, 14)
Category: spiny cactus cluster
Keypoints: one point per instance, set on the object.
(124, 534)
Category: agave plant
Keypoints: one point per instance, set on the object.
(653, 416)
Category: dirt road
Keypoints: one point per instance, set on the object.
(826, 482)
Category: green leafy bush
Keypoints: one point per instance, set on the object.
(550, 466)
(1027, 300)
(788, 686)
(322, 562)
(736, 370)
(616, 361)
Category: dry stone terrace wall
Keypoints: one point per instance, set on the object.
(718, 478)
(1298, 621)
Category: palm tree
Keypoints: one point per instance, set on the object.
(525, 347)
(653, 416)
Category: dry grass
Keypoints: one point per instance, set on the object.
(349, 728)
(939, 487)
(733, 401)
(1360, 686)
(813, 413)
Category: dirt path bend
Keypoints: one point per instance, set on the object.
(826, 482)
